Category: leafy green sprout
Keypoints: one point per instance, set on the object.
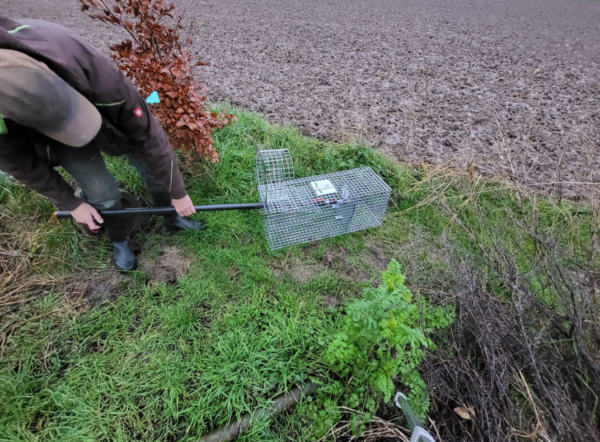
(385, 335)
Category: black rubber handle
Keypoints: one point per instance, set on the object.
(164, 210)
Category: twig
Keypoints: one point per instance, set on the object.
(107, 10)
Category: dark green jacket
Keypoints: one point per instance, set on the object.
(26, 154)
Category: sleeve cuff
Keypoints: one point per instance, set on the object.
(176, 195)
(71, 204)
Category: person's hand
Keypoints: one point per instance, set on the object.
(86, 214)
(184, 206)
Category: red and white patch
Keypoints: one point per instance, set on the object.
(138, 112)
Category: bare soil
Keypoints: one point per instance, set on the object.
(99, 287)
(505, 87)
(167, 266)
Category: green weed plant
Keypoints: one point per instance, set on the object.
(385, 335)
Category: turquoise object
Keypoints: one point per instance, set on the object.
(153, 98)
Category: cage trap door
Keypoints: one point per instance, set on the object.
(274, 167)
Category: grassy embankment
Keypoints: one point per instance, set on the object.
(152, 360)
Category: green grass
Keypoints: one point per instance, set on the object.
(170, 362)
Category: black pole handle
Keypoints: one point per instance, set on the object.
(165, 210)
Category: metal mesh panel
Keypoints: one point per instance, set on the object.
(299, 210)
(273, 169)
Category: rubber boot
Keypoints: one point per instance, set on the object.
(117, 229)
(173, 221)
(123, 256)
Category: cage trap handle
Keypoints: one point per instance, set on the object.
(166, 210)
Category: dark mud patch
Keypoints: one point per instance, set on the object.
(98, 287)
(167, 266)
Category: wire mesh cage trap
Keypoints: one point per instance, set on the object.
(299, 210)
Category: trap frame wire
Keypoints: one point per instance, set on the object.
(299, 210)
